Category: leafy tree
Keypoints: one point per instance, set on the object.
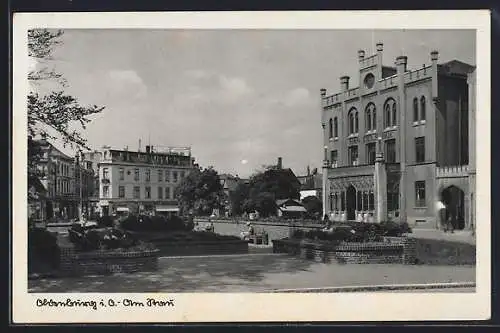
(313, 205)
(264, 188)
(200, 191)
(51, 115)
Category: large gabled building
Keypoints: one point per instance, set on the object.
(400, 142)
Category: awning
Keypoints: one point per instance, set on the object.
(293, 209)
(122, 209)
(167, 208)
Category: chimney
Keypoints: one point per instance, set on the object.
(280, 163)
(401, 62)
(361, 55)
(323, 92)
(434, 56)
(139, 150)
(344, 83)
(380, 47)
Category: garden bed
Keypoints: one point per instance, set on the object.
(396, 250)
(192, 243)
(139, 258)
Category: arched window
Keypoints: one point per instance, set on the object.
(335, 127)
(422, 108)
(390, 113)
(370, 117)
(330, 128)
(394, 114)
(415, 109)
(353, 121)
(374, 118)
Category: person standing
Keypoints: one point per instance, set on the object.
(441, 209)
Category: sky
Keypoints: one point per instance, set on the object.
(239, 98)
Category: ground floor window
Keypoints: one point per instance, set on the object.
(420, 193)
(371, 201)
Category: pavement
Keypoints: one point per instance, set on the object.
(257, 273)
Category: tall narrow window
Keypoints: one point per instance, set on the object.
(390, 151)
(370, 152)
(174, 176)
(368, 120)
(353, 121)
(390, 110)
(371, 201)
(420, 149)
(330, 128)
(353, 155)
(167, 175)
(160, 192)
(137, 192)
(122, 174)
(136, 174)
(167, 192)
(374, 119)
(148, 192)
(121, 191)
(394, 114)
(148, 175)
(335, 127)
(105, 191)
(334, 157)
(387, 115)
(370, 117)
(422, 108)
(415, 109)
(160, 175)
(105, 173)
(420, 193)
(359, 201)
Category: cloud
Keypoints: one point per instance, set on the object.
(297, 97)
(125, 83)
(212, 87)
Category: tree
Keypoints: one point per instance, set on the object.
(52, 115)
(200, 191)
(313, 205)
(264, 188)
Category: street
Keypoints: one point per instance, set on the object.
(254, 273)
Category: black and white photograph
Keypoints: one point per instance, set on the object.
(161, 161)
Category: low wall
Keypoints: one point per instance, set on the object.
(395, 250)
(74, 263)
(445, 252)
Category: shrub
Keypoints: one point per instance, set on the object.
(154, 223)
(100, 238)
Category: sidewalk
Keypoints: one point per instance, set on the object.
(253, 273)
(464, 236)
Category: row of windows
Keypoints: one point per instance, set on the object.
(136, 193)
(366, 201)
(371, 150)
(147, 175)
(390, 118)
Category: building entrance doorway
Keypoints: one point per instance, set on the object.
(453, 199)
(351, 203)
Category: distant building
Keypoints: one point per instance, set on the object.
(400, 142)
(289, 208)
(310, 184)
(144, 182)
(60, 176)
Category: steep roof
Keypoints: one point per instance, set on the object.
(456, 67)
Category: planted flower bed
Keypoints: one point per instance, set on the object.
(99, 249)
(360, 243)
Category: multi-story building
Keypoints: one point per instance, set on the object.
(60, 175)
(400, 142)
(310, 184)
(91, 161)
(142, 182)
